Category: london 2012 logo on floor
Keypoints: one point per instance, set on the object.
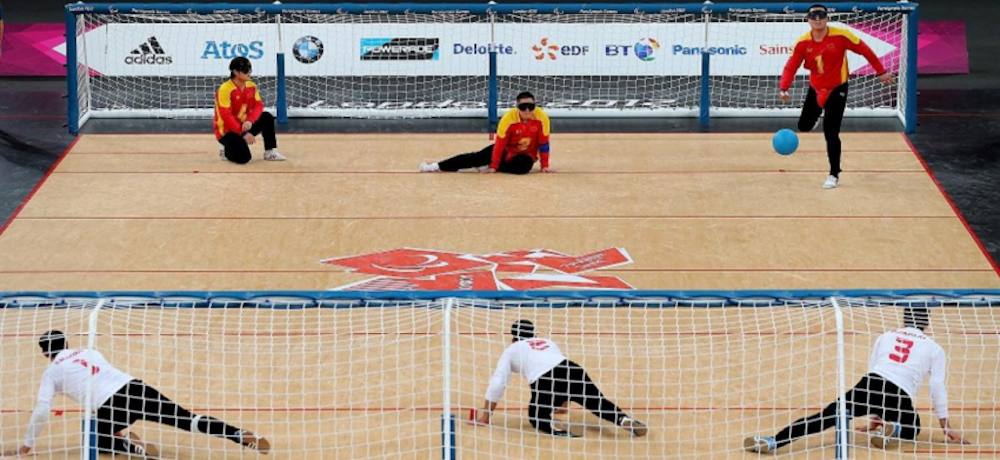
(409, 269)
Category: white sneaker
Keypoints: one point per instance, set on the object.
(759, 444)
(222, 153)
(634, 426)
(140, 448)
(887, 436)
(273, 155)
(831, 182)
(429, 167)
(255, 442)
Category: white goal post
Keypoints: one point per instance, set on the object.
(467, 60)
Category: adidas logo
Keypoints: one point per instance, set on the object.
(149, 53)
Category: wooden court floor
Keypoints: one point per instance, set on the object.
(694, 211)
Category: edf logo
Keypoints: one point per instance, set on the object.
(545, 49)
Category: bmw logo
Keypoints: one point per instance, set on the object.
(308, 49)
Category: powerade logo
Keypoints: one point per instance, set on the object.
(476, 48)
(226, 50)
(308, 49)
(644, 49)
(735, 50)
(399, 49)
(149, 52)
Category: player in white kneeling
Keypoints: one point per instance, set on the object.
(555, 381)
(899, 361)
(118, 401)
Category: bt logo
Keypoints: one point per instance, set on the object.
(644, 49)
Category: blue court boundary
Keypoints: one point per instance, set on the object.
(553, 299)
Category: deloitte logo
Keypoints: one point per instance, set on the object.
(149, 53)
(645, 48)
(308, 49)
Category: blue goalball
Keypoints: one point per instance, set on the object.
(785, 141)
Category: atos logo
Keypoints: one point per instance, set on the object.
(226, 50)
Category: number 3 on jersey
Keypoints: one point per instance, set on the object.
(903, 348)
(93, 370)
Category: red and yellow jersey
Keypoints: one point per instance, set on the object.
(827, 61)
(233, 106)
(516, 137)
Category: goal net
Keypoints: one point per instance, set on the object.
(412, 60)
(348, 378)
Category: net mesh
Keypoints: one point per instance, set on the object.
(374, 379)
(426, 65)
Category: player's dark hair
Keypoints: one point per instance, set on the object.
(818, 5)
(522, 329)
(918, 317)
(525, 95)
(52, 342)
(239, 64)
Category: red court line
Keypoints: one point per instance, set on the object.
(954, 208)
(464, 217)
(851, 269)
(17, 335)
(502, 409)
(213, 154)
(38, 186)
(612, 270)
(575, 173)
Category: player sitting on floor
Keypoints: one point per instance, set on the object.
(522, 139)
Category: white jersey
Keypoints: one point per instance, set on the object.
(904, 357)
(68, 375)
(531, 358)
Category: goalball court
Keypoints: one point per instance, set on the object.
(700, 212)
(710, 287)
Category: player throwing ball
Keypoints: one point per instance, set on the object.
(119, 400)
(824, 52)
(899, 361)
(555, 381)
